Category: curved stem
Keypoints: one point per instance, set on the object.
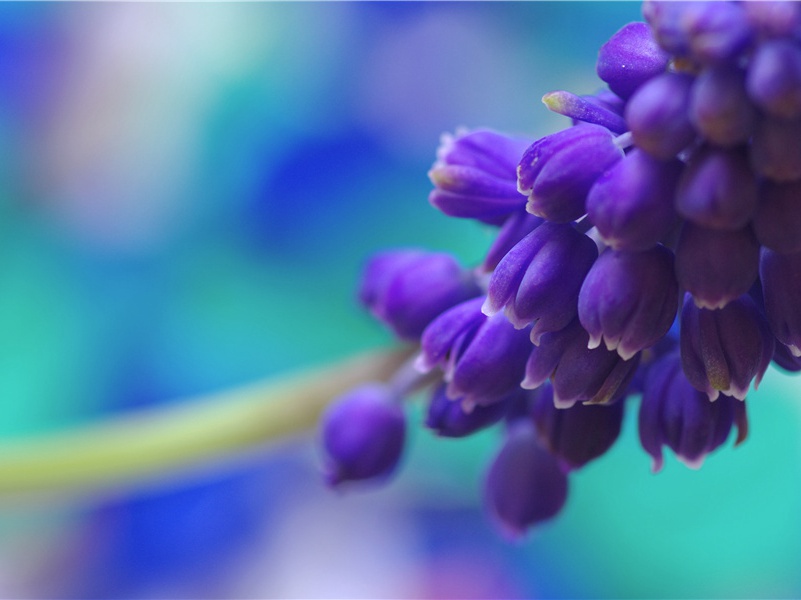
(140, 446)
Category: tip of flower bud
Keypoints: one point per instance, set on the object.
(490, 308)
(422, 365)
(794, 350)
(440, 176)
(559, 403)
(594, 342)
(657, 464)
(692, 463)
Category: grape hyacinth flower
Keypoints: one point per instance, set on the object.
(649, 252)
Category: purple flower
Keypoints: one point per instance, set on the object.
(407, 289)
(525, 484)
(781, 288)
(363, 435)
(724, 350)
(450, 417)
(629, 300)
(539, 279)
(557, 171)
(777, 223)
(720, 108)
(630, 58)
(674, 414)
(774, 78)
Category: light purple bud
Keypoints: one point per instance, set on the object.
(581, 109)
(539, 279)
(557, 171)
(630, 58)
(717, 189)
(525, 484)
(720, 108)
(578, 434)
(451, 418)
(723, 350)
(781, 288)
(716, 266)
(774, 78)
(777, 223)
(514, 229)
(407, 289)
(475, 175)
(632, 204)
(658, 115)
(675, 414)
(629, 300)
(363, 435)
(775, 150)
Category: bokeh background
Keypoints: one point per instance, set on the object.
(187, 195)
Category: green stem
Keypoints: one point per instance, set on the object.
(137, 447)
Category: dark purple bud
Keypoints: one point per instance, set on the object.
(475, 176)
(407, 289)
(515, 228)
(525, 484)
(632, 204)
(578, 434)
(723, 350)
(363, 434)
(451, 418)
(720, 108)
(777, 223)
(716, 266)
(557, 171)
(483, 358)
(658, 115)
(586, 111)
(718, 189)
(781, 288)
(775, 150)
(539, 279)
(629, 300)
(774, 18)
(774, 78)
(675, 414)
(630, 58)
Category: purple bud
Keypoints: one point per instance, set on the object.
(632, 204)
(717, 189)
(784, 359)
(775, 150)
(363, 434)
(724, 350)
(774, 18)
(629, 300)
(578, 434)
(716, 266)
(781, 288)
(774, 78)
(720, 108)
(675, 414)
(658, 115)
(407, 289)
(630, 58)
(557, 171)
(515, 228)
(451, 418)
(525, 484)
(667, 23)
(475, 176)
(777, 223)
(581, 109)
(718, 31)
(539, 279)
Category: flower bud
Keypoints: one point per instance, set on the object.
(775, 150)
(777, 223)
(720, 108)
(630, 58)
(774, 18)
(582, 109)
(451, 418)
(781, 288)
(515, 228)
(774, 78)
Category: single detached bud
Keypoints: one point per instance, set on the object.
(777, 223)
(674, 414)
(363, 435)
(629, 300)
(720, 108)
(451, 418)
(407, 289)
(630, 58)
(515, 228)
(775, 150)
(774, 78)
(781, 288)
(525, 485)
(557, 171)
(724, 350)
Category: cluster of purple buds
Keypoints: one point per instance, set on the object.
(651, 249)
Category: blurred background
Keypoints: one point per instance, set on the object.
(187, 195)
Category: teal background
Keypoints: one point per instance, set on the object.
(187, 195)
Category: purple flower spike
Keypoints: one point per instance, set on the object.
(774, 78)
(720, 108)
(781, 288)
(557, 171)
(777, 223)
(363, 435)
(539, 279)
(514, 229)
(775, 152)
(475, 176)
(581, 109)
(407, 289)
(716, 266)
(658, 115)
(450, 418)
(675, 414)
(525, 484)
(723, 350)
(717, 189)
(630, 58)
(578, 434)
(629, 300)
(632, 204)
